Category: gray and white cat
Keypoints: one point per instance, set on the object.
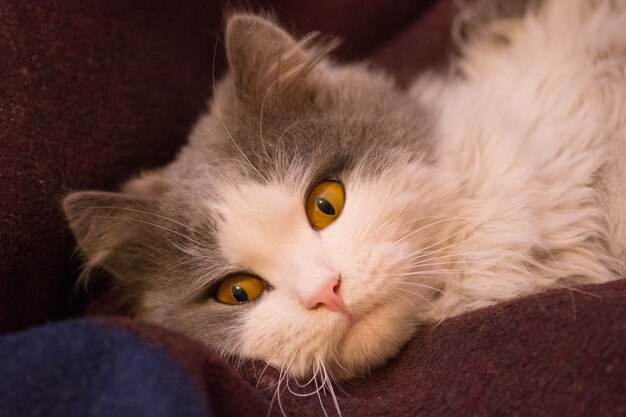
(318, 215)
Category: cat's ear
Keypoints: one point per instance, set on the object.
(120, 233)
(265, 60)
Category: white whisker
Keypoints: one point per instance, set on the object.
(151, 224)
(430, 225)
(143, 212)
(319, 397)
(420, 296)
(331, 390)
(219, 114)
(424, 286)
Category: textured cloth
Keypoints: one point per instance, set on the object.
(78, 368)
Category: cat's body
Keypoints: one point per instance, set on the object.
(502, 180)
(535, 130)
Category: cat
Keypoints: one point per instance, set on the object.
(318, 214)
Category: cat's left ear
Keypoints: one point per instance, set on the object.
(266, 61)
(121, 233)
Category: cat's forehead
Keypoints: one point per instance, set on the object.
(348, 120)
(312, 150)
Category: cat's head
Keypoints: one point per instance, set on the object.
(294, 226)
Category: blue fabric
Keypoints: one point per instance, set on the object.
(84, 368)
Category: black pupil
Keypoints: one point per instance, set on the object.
(239, 293)
(325, 207)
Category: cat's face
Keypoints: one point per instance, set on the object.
(295, 226)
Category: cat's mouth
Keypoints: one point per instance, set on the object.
(357, 318)
(370, 338)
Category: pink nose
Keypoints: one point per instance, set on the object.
(327, 297)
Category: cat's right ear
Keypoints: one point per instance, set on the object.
(118, 232)
(265, 61)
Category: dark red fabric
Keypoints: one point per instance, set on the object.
(90, 92)
(364, 25)
(559, 353)
(423, 45)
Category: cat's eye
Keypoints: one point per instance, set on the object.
(324, 203)
(239, 288)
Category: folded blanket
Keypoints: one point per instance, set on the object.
(552, 354)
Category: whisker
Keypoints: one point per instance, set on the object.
(480, 221)
(143, 212)
(337, 384)
(175, 266)
(304, 386)
(411, 303)
(331, 390)
(447, 272)
(219, 113)
(448, 246)
(261, 118)
(319, 397)
(417, 254)
(280, 382)
(424, 286)
(151, 224)
(267, 364)
(287, 128)
(338, 362)
(420, 296)
(466, 262)
(307, 383)
(431, 225)
(434, 258)
(433, 271)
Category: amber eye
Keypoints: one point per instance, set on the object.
(325, 203)
(240, 288)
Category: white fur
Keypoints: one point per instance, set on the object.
(528, 131)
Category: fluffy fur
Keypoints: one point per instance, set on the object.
(503, 178)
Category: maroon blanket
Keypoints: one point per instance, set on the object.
(559, 353)
(92, 92)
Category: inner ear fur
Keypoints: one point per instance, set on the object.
(121, 233)
(266, 62)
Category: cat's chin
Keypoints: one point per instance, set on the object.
(369, 340)
(373, 338)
